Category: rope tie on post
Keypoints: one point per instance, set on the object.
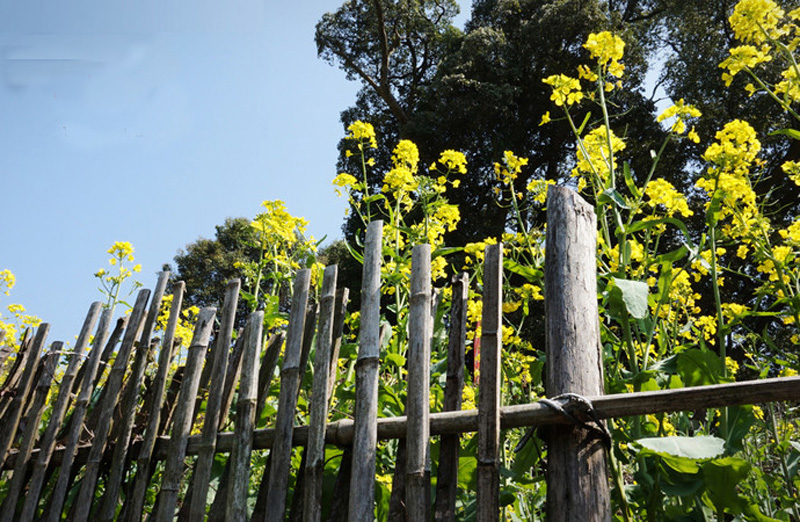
(579, 411)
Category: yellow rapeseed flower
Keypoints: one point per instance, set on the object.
(607, 49)
(756, 20)
(363, 133)
(565, 89)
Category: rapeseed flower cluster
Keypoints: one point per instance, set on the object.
(607, 49)
(113, 280)
(594, 159)
(662, 192)
(682, 112)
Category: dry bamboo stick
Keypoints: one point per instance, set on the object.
(577, 478)
(15, 372)
(315, 451)
(221, 352)
(236, 505)
(291, 373)
(447, 478)
(342, 297)
(11, 418)
(133, 509)
(231, 378)
(184, 413)
(267, 370)
(73, 433)
(32, 421)
(83, 502)
(418, 471)
(362, 479)
(488, 493)
(109, 500)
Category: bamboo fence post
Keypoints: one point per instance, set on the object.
(202, 470)
(83, 502)
(231, 378)
(73, 432)
(447, 478)
(577, 481)
(15, 372)
(418, 471)
(184, 414)
(236, 506)
(133, 509)
(32, 421)
(342, 298)
(291, 373)
(315, 451)
(109, 500)
(12, 416)
(488, 494)
(362, 477)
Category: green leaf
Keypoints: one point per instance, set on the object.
(740, 420)
(467, 473)
(680, 225)
(633, 295)
(631, 184)
(583, 124)
(791, 133)
(698, 367)
(610, 195)
(700, 447)
(396, 359)
(531, 274)
(722, 477)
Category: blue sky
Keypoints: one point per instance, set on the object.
(151, 122)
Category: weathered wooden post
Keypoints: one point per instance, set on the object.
(362, 479)
(418, 471)
(488, 494)
(577, 480)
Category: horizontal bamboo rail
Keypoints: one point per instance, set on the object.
(515, 416)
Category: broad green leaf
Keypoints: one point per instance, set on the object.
(634, 295)
(700, 447)
(698, 367)
(740, 420)
(631, 184)
(722, 477)
(396, 359)
(467, 472)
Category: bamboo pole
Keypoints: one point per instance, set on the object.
(418, 471)
(267, 370)
(577, 480)
(342, 298)
(108, 502)
(362, 477)
(488, 494)
(290, 383)
(15, 372)
(73, 432)
(83, 502)
(12, 416)
(32, 421)
(447, 478)
(231, 378)
(184, 413)
(133, 509)
(315, 451)
(236, 506)
(221, 352)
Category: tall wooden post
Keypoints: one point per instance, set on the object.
(365, 437)
(577, 479)
(488, 494)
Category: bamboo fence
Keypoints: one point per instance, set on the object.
(121, 436)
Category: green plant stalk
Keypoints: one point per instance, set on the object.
(787, 477)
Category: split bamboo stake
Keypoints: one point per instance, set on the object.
(577, 480)
(221, 352)
(14, 413)
(290, 384)
(184, 414)
(418, 471)
(109, 500)
(15, 372)
(362, 476)
(488, 494)
(342, 298)
(73, 432)
(32, 421)
(447, 478)
(83, 502)
(315, 451)
(267, 370)
(236, 506)
(133, 510)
